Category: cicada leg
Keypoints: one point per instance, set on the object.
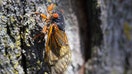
(50, 7)
(44, 31)
(38, 35)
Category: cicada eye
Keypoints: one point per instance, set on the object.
(55, 15)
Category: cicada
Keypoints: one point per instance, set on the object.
(57, 50)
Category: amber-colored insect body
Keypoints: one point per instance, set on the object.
(57, 51)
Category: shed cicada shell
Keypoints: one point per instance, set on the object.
(57, 50)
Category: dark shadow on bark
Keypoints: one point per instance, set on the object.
(89, 25)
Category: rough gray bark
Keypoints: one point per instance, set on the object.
(114, 55)
(18, 52)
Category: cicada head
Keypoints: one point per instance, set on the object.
(58, 18)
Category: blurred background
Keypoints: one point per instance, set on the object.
(99, 34)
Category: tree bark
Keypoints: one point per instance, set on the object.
(114, 55)
(99, 34)
(19, 53)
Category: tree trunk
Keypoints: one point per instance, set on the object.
(19, 53)
(99, 34)
(114, 55)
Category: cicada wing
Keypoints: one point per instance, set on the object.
(51, 45)
(60, 37)
(56, 40)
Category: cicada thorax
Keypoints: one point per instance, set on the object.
(58, 54)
